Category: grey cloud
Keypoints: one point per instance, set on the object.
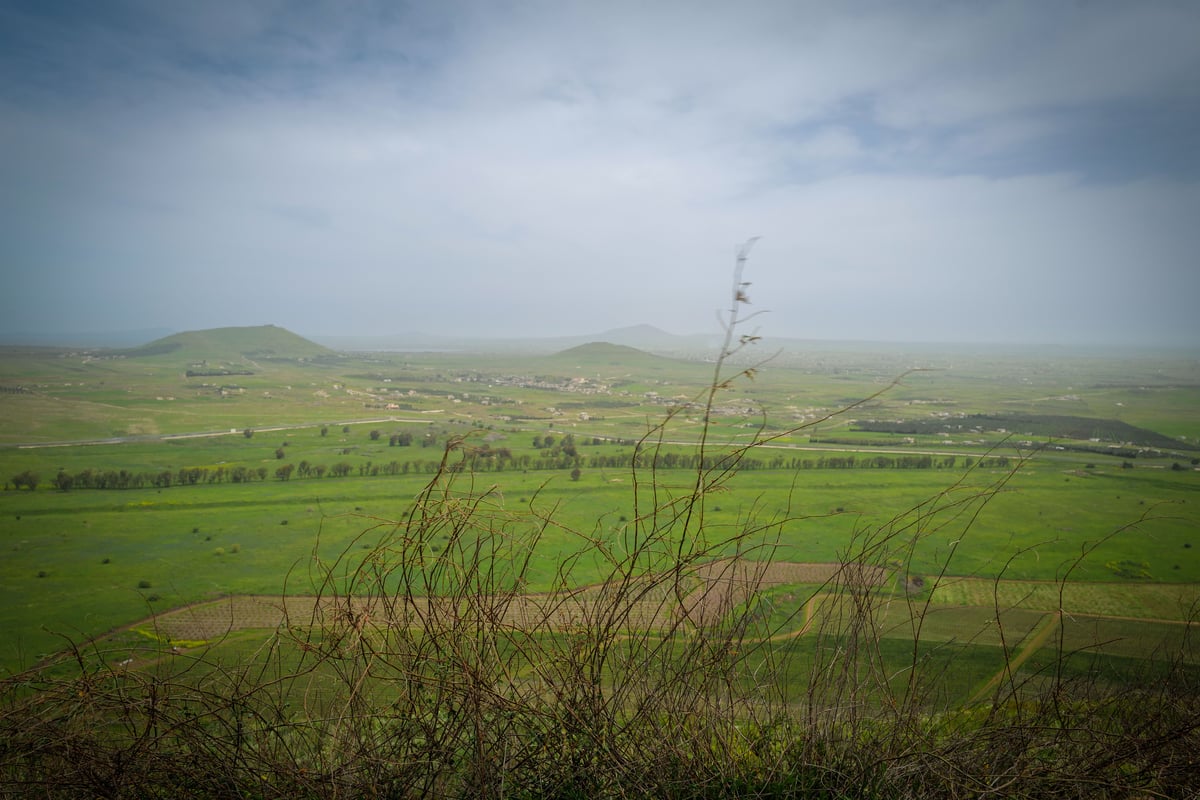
(927, 170)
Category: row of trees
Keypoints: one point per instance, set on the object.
(483, 459)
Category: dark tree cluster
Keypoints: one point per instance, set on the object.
(26, 480)
(484, 458)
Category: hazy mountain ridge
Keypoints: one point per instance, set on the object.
(643, 337)
(86, 339)
(276, 341)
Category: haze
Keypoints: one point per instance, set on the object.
(974, 172)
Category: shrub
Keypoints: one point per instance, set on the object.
(143, 584)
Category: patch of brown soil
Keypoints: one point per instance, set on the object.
(714, 590)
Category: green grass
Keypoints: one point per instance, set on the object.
(1057, 509)
(170, 537)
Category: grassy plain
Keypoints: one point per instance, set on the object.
(293, 572)
(85, 561)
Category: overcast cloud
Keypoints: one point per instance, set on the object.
(918, 171)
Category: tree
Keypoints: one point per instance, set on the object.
(575, 473)
(375, 434)
(279, 453)
(248, 432)
(28, 479)
(345, 429)
(324, 430)
(63, 481)
(284, 473)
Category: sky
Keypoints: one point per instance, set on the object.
(922, 171)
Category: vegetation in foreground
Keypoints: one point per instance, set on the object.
(429, 669)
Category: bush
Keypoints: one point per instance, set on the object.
(143, 584)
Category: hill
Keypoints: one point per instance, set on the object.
(642, 337)
(223, 345)
(607, 354)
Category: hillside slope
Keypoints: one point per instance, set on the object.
(607, 354)
(259, 342)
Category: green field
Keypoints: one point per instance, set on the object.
(237, 563)
(986, 502)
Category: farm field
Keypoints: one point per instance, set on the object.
(196, 433)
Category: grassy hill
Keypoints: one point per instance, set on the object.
(234, 344)
(603, 355)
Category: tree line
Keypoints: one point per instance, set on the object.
(482, 459)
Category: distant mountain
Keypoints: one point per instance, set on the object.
(599, 354)
(86, 339)
(648, 337)
(224, 345)
(601, 350)
(608, 359)
(643, 337)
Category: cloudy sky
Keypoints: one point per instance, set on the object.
(919, 171)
